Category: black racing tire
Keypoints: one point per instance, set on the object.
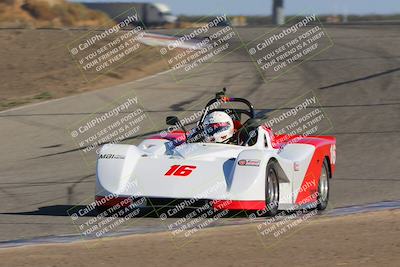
(323, 187)
(101, 209)
(271, 189)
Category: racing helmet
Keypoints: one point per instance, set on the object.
(218, 127)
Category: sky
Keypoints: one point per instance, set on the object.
(263, 7)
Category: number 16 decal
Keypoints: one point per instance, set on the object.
(180, 170)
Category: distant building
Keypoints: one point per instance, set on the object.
(333, 19)
(150, 14)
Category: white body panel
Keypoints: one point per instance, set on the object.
(127, 170)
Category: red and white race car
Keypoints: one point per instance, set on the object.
(252, 169)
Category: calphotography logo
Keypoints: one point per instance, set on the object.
(102, 50)
(285, 47)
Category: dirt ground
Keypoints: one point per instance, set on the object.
(370, 239)
(37, 66)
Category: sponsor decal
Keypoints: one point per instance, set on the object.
(333, 154)
(249, 162)
(296, 166)
(110, 156)
(180, 170)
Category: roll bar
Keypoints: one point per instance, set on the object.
(221, 96)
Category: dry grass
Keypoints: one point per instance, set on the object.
(37, 67)
(41, 13)
(369, 239)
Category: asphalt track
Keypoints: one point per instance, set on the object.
(42, 173)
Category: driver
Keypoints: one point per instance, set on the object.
(218, 127)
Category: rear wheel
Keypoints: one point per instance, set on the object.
(323, 187)
(271, 189)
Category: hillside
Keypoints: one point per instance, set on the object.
(48, 13)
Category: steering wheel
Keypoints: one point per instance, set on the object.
(248, 132)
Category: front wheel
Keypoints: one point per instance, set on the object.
(271, 189)
(323, 187)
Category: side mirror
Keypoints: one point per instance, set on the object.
(172, 120)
